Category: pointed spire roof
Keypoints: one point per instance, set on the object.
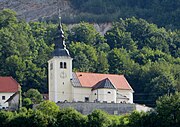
(60, 46)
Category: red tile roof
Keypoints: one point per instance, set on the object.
(8, 84)
(90, 79)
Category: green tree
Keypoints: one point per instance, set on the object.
(85, 56)
(31, 118)
(49, 108)
(34, 95)
(98, 118)
(136, 119)
(71, 118)
(174, 45)
(7, 17)
(85, 32)
(146, 34)
(145, 55)
(104, 47)
(120, 62)
(119, 120)
(117, 37)
(102, 63)
(5, 118)
(168, 110)
(27, 102)
(154, 80)
(81, 62)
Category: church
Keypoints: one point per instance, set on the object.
(67, 86)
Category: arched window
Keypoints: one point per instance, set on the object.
(61, 64)
(65, 66)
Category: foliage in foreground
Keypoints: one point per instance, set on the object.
(47, 114)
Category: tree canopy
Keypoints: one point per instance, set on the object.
(161, 12)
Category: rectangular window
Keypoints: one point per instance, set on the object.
(3, 97)
(51, 66)
(86, 99)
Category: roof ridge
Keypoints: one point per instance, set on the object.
(100, 73)
(5, 76)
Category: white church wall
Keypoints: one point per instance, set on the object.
(104, 95)
(128, 94)
(80, 93)
(51, 79)
(60, 88)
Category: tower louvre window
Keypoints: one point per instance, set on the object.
(61, 64)
(65, 66)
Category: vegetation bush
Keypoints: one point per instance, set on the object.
(166, 114)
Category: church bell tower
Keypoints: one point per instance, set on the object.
(60, 70)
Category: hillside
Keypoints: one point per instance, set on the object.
(164, 13)
(33, 10)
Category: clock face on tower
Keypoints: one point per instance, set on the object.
(63, 74)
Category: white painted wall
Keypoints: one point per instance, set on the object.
(51, 80)
(128, 94)
(79, 94)
(104, 95)
(60, 88)
(14, 103)
(7, 96)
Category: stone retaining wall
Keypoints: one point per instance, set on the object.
(111, 108)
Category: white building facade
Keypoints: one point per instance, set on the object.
(67, 86)
(3, 97)
(8, 88)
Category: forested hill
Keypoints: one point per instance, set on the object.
(147, 55)
(161, 12)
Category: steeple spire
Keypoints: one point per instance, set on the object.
(61, 32)
(60, 46)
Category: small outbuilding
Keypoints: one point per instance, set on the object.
(9, 93)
